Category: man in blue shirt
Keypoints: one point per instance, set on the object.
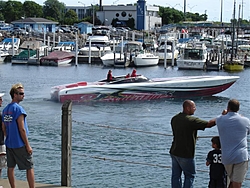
(18, 149)
(233, 129)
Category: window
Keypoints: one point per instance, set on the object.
(124, 14)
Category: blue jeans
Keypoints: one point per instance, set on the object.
(187, 165)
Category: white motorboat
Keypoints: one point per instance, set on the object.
(146, 59)
(193, 56)
(109, 58)
(122, 88)
(167, 51)
(98, 45)
(3, 55)
(7, 44)
(64, 46)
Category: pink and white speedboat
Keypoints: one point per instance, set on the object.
(142, 88)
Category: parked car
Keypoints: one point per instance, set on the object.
(121, 29)
(19, 31)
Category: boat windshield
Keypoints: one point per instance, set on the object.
(137, 79)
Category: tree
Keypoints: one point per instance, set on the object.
(131, 23)
(54, 9)
(13, 10)
(170, 15)
(70, 17)
(32, 9)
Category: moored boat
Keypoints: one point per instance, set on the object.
(145, 59)
(3, 55)
(142, 88)
(234, 65)
(57, 58)
(22, 57)
(193, 56)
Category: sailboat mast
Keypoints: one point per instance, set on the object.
(233, 36)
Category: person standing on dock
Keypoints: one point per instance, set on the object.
(15, 128)
(182, 151)
(2, 145)
(233, 129)
(217, 170)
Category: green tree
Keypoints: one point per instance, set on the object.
(13, 10)
(70, 17)
(131, 23)
(54, 9)
(2, 5)
(32, 9)
(170, 15)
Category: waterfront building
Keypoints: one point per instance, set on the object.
(145, 16)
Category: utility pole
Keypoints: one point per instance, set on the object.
(184, 10)
(93, 10)
(221, 10)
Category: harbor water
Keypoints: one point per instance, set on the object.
(123, 144)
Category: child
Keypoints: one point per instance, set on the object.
(217, 171)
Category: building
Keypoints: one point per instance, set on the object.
(145, 16)
(36, 24)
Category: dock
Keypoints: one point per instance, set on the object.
(24, 184)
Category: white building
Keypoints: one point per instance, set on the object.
(123, 13)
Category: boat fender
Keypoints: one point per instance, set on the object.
(71, 85)
(82, 83)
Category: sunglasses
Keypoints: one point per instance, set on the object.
(20, 93)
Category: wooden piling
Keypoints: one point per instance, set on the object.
(66, 144)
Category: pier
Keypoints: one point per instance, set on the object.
(24, 184)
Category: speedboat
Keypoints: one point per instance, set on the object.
(140, 87)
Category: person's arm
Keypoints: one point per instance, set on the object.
(20, 122)
(207, 163)
(3, 129)
(211, 123)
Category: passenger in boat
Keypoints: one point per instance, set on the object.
(217, 170)
(3, 162)
(233, 129)
(109, 76)
(133, 74)
(127, 76)
(182, 151)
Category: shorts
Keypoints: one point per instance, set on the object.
(19, 157)
(237, 172)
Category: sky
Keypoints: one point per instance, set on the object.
(211, 7)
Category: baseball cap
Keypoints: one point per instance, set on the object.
(1, 94)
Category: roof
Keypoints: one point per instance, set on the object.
(34, 20)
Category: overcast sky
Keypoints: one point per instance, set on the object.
(211, 7)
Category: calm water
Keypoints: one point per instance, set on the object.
(133, 159)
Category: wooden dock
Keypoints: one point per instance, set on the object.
(24, 184)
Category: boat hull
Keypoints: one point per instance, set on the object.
(161, 88)
(191, 64)
(143, 60)
(234, 66)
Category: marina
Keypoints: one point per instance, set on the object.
(123, 144)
